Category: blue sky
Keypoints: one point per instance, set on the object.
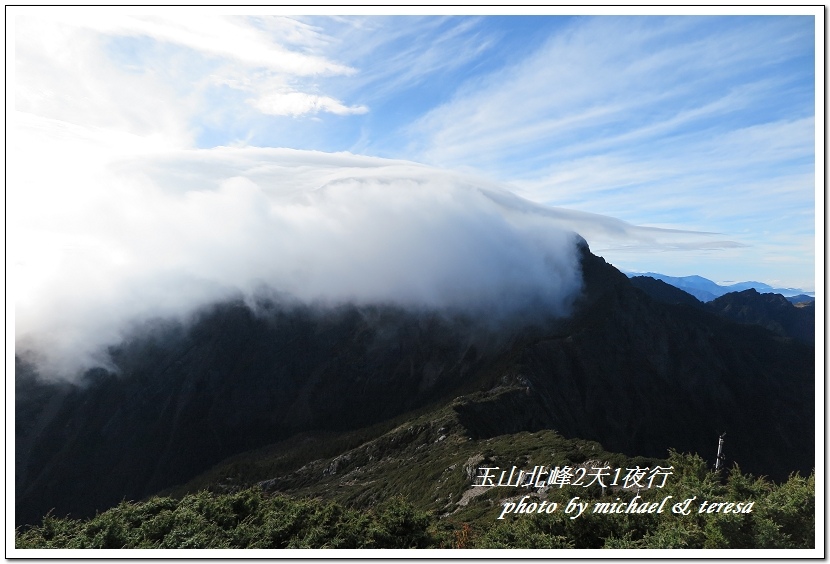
(691, 123)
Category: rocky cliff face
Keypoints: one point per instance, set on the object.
(637, 375)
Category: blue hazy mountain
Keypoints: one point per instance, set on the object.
(706, 290)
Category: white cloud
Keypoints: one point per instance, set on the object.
(297, 104)
(63, 72)
(395, 53)
(702, 124)
(115, 220)
(152, 75)
(600, 77)
(223, 36)
(109, 231)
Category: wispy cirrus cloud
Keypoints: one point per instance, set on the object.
(687, 123)
(395, 53)
(614, 81)
(256, 42)
(299, 103)
(699, 123)
(196, 69)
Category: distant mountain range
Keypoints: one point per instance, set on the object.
(793, 317)
(706, 290)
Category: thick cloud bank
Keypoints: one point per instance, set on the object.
(105, 239)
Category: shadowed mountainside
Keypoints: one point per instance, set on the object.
(772, 311)
(663, 292)
(787, 317)
(637, 375)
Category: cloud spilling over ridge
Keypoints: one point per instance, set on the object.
(108, 230)
(104, 239)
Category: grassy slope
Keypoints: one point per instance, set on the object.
(429, 460)
(407, 483)
(782, 517)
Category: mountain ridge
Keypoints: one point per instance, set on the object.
(634, 374)
(786, 317)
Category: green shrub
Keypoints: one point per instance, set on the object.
(246, 519)
(783, 516)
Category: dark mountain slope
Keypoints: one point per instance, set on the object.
(665, 293)
(186, 399)
(701, 288)
(635, 374)
(640, 377)
(772, 311)
(786, 317)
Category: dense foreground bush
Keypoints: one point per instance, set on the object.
(782, 516)
(247, 519)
